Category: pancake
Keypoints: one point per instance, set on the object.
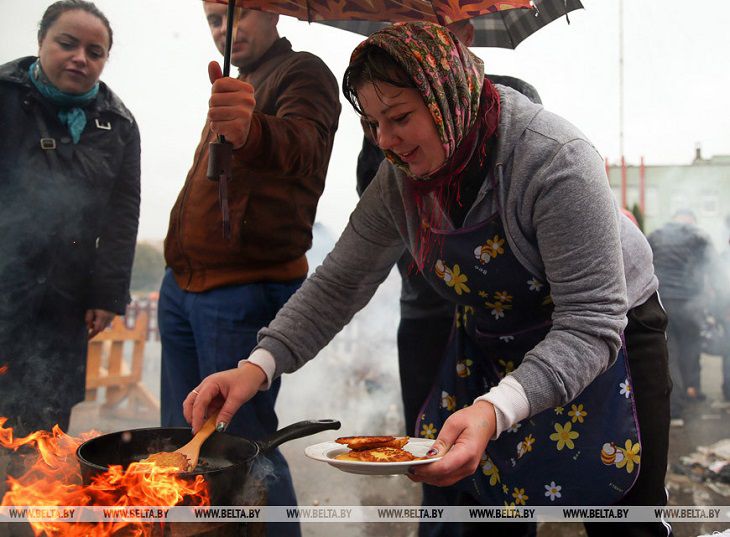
(169, 459)
(359, 443)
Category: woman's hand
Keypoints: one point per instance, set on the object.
(462, 440)
(227, 391)
(231, 106)
(97, 320)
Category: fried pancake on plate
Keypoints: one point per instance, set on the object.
(385, 454)
(359, 443)
(398, 443)
(380, 454)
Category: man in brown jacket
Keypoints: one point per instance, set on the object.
(280, 115)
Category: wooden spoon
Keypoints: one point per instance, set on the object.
(191, 450)
(186, 457)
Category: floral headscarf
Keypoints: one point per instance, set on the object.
(465, 109)
(447, 75)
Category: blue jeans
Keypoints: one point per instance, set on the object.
(203, 333)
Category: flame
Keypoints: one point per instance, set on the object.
(3, 369)
(52, 478)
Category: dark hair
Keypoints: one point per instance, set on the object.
(372, 65)
(57, 9)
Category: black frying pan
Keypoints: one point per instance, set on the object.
(225, 459)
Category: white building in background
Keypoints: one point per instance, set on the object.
(702, 186)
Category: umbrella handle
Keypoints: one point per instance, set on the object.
(220, 154)
(230, 21)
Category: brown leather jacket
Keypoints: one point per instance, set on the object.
(277, 179)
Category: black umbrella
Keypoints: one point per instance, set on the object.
(502, 29)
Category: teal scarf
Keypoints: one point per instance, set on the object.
(71, 114)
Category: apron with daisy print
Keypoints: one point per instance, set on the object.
(586, 452)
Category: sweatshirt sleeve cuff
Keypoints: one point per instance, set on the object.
(265, 360)
(510, 404)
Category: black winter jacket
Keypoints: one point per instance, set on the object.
(68, 222)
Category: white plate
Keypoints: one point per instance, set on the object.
(327, 451)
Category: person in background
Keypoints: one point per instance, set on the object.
(280, 115)
(507, 211)
(683, 257)
(426, 319)
(70, 195)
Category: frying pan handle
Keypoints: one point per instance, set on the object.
(296, 430)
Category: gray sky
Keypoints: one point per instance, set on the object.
(676, 81)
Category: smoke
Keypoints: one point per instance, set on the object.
(254, 491)
(355, 378)
(48, 226)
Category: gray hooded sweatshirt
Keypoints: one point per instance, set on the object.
(561, 222)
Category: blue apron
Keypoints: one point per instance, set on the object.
(586, 452)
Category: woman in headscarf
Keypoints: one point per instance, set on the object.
(507, 211)
(69, 199)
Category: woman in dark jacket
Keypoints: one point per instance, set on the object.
(69, 209)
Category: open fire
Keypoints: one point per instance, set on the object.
(51, 477)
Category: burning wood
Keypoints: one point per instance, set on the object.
(52, 478)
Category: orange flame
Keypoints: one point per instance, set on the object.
(3, 369)
(52, 478)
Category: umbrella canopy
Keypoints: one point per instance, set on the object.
(503, 28)
(439, 11)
